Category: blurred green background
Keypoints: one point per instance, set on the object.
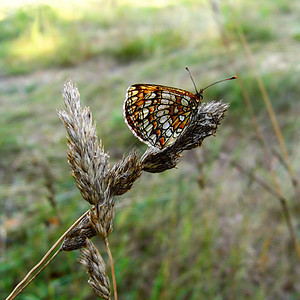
(206, 230)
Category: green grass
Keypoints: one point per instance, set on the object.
(145, 47)
(37, 37)
(202, 231)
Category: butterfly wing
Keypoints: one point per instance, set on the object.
(158, 114)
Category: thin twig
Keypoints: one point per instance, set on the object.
(267, 150)
(23, 283)
(112, 267)
(246, 98)
(282, 161)
(272, 191)
(40, 270)
(268, 105)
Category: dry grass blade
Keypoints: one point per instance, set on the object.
(276, 191)
(278, 196)
(269, 107)
(35, 270)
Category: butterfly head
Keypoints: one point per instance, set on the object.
(199, 94)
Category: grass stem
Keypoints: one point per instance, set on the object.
(17, 290)
(112, 267)
(274, 192)
(268, 105)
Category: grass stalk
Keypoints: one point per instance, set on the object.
(112, 267)
(169, 259)
(39, 271)
(245, 96)
(267, 150)
(278, 196)
(268, 105)
(27, 279)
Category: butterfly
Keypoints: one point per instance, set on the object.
(159, 114)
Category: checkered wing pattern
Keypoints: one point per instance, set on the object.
(158, 114)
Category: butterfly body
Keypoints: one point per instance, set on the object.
(159, 114)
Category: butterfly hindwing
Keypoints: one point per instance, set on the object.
(158, 114)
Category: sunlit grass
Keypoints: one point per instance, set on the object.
(41, 36)
(35, 45)
(36, 37)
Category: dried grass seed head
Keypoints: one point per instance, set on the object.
(102, 217)
(89, 162)
(96, 269)
(76, 238)
(124, 173)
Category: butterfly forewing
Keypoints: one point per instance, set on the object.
(158, 114)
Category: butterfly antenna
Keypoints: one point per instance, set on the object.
(192, 79)
(233, 77)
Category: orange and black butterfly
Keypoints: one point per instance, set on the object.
(158, 114)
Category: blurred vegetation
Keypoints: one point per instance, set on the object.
(203, 231)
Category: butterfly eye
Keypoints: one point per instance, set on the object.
(199, 95)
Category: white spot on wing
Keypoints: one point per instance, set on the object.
(162, 112)
(161, 107)
(166, 125)
(150, 96)
(146, 123)
(165, 101)
(145, 112)
(169, 132)
(153, 138)
(166, 95)
(184, 102)
(176, 134)
(147, 103)
(173, 97)
(149, 128)
(163, 119)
